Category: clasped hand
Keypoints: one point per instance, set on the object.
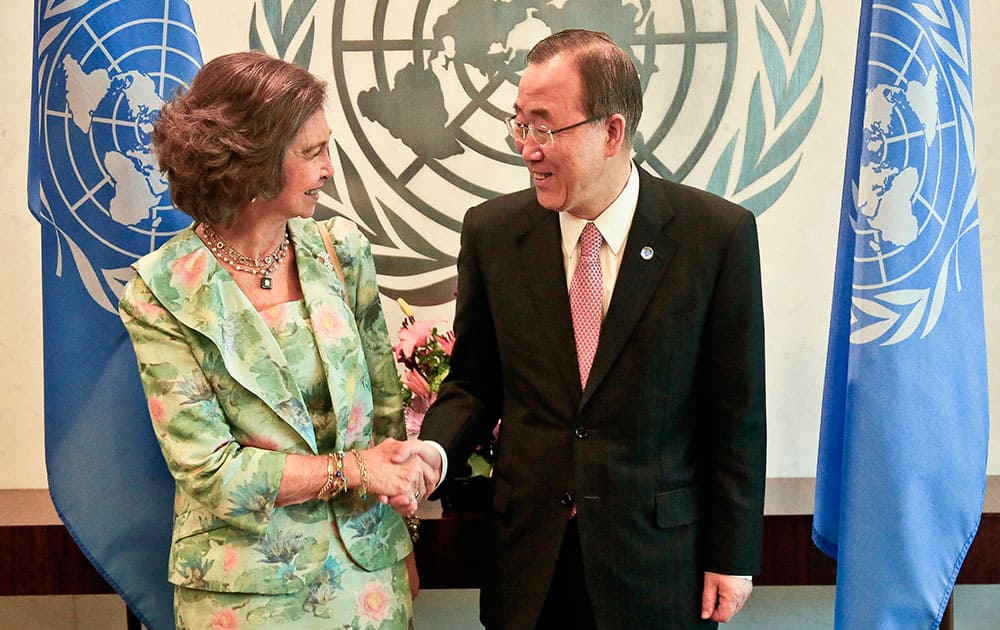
(402, 473)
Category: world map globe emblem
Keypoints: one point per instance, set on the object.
(907, 193)
(425, 88)
(100, 95)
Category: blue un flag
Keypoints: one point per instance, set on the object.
(903, 443)
(102, 69)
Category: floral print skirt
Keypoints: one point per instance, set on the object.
(347, 598)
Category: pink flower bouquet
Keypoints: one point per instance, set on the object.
(424, 352)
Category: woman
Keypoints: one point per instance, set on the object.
(270, 379)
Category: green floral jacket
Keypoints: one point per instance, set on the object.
(226, 411)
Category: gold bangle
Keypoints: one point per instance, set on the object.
(413, 527)
(364, 473)
(328, 487)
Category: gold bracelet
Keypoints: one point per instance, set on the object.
(331, 479)
(413, 527)
(342, 488)
(364, 473)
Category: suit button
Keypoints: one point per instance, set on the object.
(567, 499)
(581, 432)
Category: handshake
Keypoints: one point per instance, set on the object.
(402, 473)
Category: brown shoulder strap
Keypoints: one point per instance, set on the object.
(325, 233)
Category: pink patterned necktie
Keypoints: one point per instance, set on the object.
(586, 299)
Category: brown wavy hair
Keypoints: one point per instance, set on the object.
(222, 142)
(610, 81)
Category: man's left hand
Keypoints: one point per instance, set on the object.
(724, 596)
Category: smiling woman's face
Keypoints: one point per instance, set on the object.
(306, 166)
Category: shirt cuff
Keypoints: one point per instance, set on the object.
(749, 578)
(444, 461)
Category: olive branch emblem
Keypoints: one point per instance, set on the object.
(774, 129)
(894, 316)
(284, 31)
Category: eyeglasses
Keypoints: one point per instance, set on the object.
(542, 135)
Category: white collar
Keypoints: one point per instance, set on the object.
(614, 222)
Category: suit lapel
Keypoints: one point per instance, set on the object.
(540, 246)
(336, 333)
(647, 252)
(205, 298)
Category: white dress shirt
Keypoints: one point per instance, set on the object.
(613, 223)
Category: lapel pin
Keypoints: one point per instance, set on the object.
(646, 253)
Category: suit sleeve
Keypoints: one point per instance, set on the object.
(239, 485)
(469, 400)
(733, 400)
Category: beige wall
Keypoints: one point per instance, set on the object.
(21, 449)
(801, 228)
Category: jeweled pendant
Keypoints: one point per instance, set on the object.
(265, 282)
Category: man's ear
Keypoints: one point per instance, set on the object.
(615, 128)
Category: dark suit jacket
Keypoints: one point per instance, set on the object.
(663, 452)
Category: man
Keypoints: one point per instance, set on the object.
(628, 489)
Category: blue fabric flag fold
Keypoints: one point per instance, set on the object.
(903, 443)
(101, 71)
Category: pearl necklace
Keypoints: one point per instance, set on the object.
(263, 266)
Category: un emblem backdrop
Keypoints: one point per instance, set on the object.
(419, 91)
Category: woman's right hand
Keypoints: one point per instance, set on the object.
(394, 471)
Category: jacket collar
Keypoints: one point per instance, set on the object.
(204, 297)
(648, 251)
(538, 237)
